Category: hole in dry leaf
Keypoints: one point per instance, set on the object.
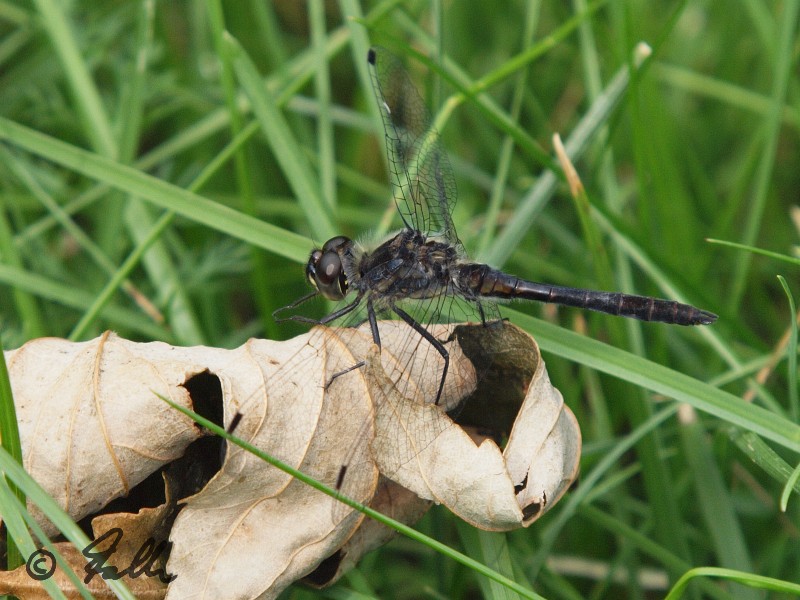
(206, 393)
(185, 477)
(3, 543)
(201, 461)
(148, 494)
(521, 486)
(326, 570)
(531, 510)
(188, 474)
(203, 457)
(506, 362)
(534, 508)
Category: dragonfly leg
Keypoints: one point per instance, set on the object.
(373, 323)
(341, 312)
(335, 376)
(294, 304)
(484, 321)
(432, 341)
(481, 313)
(324, 320)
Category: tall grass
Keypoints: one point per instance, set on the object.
(166, 166)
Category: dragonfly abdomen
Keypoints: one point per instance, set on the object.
(482, 280)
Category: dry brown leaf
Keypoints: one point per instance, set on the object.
(390, 499)
(90, 422)
(491, 489)
(253, 529)
(123, 536)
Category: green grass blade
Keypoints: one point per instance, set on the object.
(54, 512)
(158, 192)
(285, 147)
(661, 380)
(9, 436)
(69, 295)
(373, 514)
(748, 579)
(90, 106)
(533, 202)
(784, 66)
(791, 354)
(755, 250)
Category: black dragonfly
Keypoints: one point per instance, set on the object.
(425, 262)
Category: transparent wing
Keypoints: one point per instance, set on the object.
(327, 370)
(414, 368)
(425, 188)
(319, 392)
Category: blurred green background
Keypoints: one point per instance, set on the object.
(702, 142)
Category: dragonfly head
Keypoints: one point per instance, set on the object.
(325, 271)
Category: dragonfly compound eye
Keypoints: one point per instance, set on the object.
(335, 243)
(311, 267)
(329, 276)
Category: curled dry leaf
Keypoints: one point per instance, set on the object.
(491, 489)
(90, 421)
(253, 529)
(135, 554)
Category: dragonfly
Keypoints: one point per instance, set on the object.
(404, 292)
(425, 264)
